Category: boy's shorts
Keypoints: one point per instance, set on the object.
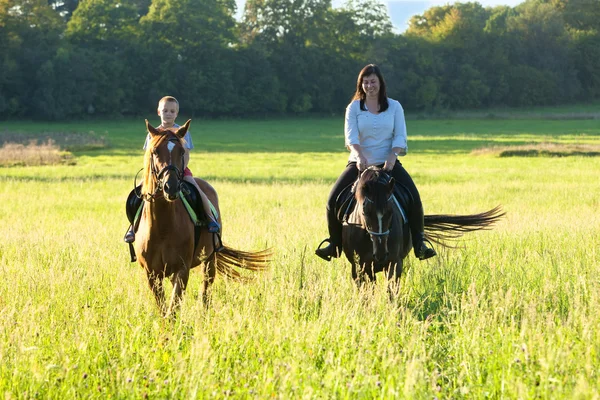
(187, 172)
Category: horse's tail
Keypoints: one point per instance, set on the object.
(440, 228)
(228, 259)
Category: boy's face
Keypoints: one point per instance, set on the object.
(168, 111)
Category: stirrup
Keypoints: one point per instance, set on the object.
(424, 251)
(325, 253)
(129, 237)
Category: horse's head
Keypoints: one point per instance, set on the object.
(164, 162)
(374, 194)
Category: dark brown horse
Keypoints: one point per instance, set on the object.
(165, 243)
(377, 238)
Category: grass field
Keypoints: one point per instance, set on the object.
(510, 313)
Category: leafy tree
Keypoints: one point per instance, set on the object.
(294, 21)
(196, 24)
(65, 8)
(530, 86)
(579, 14)
(104, 24)
(413, 70)
(29, 37)
(79, 81)
(458, 31)
(370, 16)
(544, 45)
(188, 47)
(587, 62)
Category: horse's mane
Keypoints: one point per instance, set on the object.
(149, 181)
(368, 183)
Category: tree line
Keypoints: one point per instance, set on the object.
(65, 59)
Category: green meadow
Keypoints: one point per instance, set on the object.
(512, 312)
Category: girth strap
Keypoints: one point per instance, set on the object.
(190, 210)
(198, 223)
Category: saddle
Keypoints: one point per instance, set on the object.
(346, 202)
(191, 200)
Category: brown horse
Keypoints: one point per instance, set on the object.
(165, 243)
(377, 238)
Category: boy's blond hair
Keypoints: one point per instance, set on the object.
(168, 99)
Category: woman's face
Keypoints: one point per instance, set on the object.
(370, 85)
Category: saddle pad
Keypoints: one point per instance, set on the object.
(354, 217)
(346, 203)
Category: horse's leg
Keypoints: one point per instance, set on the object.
(363, 274)
(156, 285)
(210, 271)
(367, 271)
(179, 280)
(394, 272)
(357, 270)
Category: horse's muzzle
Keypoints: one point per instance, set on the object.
(381, 256)
(169, 194)
(171, 190)
(171, 197)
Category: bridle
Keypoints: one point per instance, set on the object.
(383, 179)
(159, 175)
(378, 234)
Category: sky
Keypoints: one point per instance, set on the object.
(401, 11)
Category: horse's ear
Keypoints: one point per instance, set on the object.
(183, 130)
(391, 184)
(152, 130)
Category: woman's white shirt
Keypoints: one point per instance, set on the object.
(376, 134)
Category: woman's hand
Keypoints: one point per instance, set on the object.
(361, 162)
(390, 162)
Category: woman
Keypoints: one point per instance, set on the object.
(375, 132)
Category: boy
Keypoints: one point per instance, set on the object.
(168, 109)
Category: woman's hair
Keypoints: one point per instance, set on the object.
(360, 93)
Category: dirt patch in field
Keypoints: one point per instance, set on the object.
(33, 154)
(541, 150)
(68, 141)
(47, 148)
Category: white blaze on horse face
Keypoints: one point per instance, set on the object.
(170, 146)
(379, 219)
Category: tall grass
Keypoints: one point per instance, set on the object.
(510, 313)
(32, 154)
